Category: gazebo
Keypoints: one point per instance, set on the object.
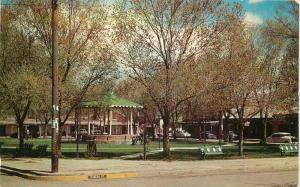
(111, 115)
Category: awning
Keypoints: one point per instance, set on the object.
(110, 100)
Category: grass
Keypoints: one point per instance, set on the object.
(13, 142)
(194, 155)
(231, 152)
(10, 147)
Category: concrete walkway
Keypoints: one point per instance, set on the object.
(129, 168)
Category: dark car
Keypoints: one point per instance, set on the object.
(232, 135)
(209, 135)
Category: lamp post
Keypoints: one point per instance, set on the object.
(54, 155)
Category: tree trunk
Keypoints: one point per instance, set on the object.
(241, 139)
(174, 129)
(21, 138)
(265, 132)
(45, 130)
(262, 123)
(166, 140)
(226, 127)
(153, 128)
(20, 118)
(221, 129)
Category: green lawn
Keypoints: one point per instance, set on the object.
(69, 150)
(13, 142)
(10, 146)
(231, 152)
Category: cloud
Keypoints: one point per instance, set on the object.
(297, 1)
(254, 1)
(260, 1)
(251, 18)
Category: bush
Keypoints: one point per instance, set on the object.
(14, 135)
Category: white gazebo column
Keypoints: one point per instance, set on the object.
(67, 130)
(104, 120)
(18, 129)
(40, 130)
(89, 124)
(128, 123)
(138, 121)
(109, 120)
(46, 130)
(131, 133)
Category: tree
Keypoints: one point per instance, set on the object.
(285, 29)
(272, 90)
(19, 70)
(83, 58)
(238, 72)
(162, 37)
(278, 63)
(134, 91)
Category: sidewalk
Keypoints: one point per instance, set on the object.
(72, 169)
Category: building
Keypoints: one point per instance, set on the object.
(108, 117)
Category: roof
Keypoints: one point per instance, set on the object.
(283, 133)
(200, 122)
(110, 100)
(12, 121)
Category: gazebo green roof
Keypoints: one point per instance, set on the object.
(110, 100)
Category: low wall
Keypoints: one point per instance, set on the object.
(114, 139)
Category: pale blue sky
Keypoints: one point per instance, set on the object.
(258, 11)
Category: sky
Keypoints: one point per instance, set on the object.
(257, 11)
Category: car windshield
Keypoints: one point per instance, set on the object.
(281, 134)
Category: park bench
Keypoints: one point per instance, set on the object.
(41, 150)
(288, 148)
(211, 151)
(28, 148)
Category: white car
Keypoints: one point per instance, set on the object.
(182, 134)
(281, 137)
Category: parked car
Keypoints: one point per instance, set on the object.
(96, 132)
(182, 134)
(83, 131)
(281, 137)
(232, 135)
(210, 135)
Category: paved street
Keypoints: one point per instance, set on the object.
(275, 179)
(239, 172)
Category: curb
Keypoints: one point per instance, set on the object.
(69, 176)
(83, 177)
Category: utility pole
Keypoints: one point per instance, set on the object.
(54, 156)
